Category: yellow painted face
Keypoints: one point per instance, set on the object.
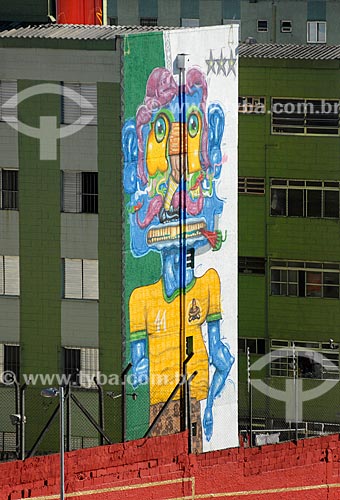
(194, 130)
(156, 153)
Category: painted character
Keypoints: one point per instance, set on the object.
(173, 160)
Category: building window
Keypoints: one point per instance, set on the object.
(305, 116)
(79, 103)
(190, 22)
(319, 360)
(10, 360)
(81, 365)
(305, 279)
(252, 105)
(80, 279)
(295, 198)
(316, 31)
(113, 21)
(251, 185)
(9, 189)
(148, 21)
(9, 275)
(8, 90)
(255, 346)
(262, 25)
(252, 265)
(286, 26)
(80, 192)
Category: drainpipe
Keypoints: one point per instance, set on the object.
(274, 15)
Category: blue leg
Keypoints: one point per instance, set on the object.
(221, 358)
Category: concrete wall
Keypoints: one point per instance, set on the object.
(68, 65)
(161, 468)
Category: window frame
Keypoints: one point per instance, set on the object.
(83, 90)
(283, 29)
(11, 91)
(316, 24)
(247, 340)
(148, 21)
(82, 280)
(303, 120)
(252, 105)
(287, 368)
(307, 187)
(12, 267)
(87, 367)
(252, 186)
(297, 275)
(10, 366)
(73, 192)
(252, 265)
(14, 193)
(262, 30)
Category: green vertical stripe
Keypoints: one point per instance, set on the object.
(40, 269)
(109, 243)
(142, 53)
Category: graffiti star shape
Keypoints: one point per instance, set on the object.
(231, 63)
(211, 63)
(221, 62)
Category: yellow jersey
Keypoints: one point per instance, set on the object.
(156, 317)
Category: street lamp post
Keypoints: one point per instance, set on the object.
(52, 393)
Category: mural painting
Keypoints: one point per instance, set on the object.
(173, 164)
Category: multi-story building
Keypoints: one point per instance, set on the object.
(289, 149)
(278, 21)
(53, 237)
(99, 265)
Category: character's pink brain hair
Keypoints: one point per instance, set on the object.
(161, 89)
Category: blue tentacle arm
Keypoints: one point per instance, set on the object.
(221, 358)
(140, 363)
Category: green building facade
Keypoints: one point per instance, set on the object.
(288, 229)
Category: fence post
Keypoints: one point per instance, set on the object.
(250, 399)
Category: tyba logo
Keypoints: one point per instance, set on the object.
(48, 133)
(294, 396)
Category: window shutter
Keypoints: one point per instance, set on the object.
(11, 275)
(72, 192)
(72, 278)
(8, 89)
(2, 288)
(89, 92)
(90, 279)
(89, 363)
(74, 109)
(71, 107)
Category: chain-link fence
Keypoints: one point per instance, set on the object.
(278, 409)
(271, 409)
(8, 436)
(91, 419)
